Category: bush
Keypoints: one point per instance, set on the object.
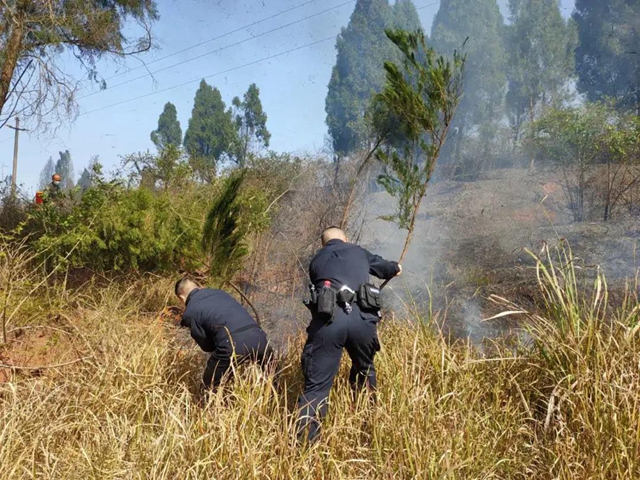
(153, 221)
(120, 229)
(597, 151)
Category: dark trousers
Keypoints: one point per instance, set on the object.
(248, 346)
(321, 360)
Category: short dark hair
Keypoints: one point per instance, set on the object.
(181, 285)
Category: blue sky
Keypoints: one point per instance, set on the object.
(293, 86)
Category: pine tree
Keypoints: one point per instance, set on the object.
(64, 168)
(212, 133)
(223, 236)
(86, 179)
(478, 26)
(169, 131)
(84, 182)
(251, 122)
(362, 48)
(540, 47)
(46, 173)
(405, 16)
(608, 52)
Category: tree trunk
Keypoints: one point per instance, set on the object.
(337, 160)
(532, 165)
(412, 225)
(11, 56)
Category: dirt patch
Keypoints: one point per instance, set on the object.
(36, 351)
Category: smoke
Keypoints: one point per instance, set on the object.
(475, 330)
(469, 244)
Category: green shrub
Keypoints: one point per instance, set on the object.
(115, 228)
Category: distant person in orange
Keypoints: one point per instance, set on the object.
(54, 189)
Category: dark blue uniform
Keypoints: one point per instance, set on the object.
(342, 264)
(222, 327)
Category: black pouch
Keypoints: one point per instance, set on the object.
(312, 302)
(369, 297)
(326, 303)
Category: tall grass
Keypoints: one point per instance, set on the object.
(566, 408)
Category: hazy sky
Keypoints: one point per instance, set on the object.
(293, 85)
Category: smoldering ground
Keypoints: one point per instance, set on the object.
(473, 240)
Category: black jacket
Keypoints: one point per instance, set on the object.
(348, 264)
(212, 315)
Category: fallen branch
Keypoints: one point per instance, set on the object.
(244, 297)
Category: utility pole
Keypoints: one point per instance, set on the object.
(14, 175)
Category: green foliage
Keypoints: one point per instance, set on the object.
(620, 146)
(251, 123)
(622, 139)
(577, 140)
(405, 16)
(85, 180)
(224, 234)
(113, 228)
(242, 210)
(540, 46)
(167, 169)
(155, 217)
(608, 53)
(211, 134)
(34, 34)
(478, 26)
(421, 96)
(362, 48)
(64, 167)
(273, 175)
(567, 136)
(169, 132)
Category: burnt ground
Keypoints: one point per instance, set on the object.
(470, 243)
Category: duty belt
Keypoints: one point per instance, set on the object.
(244, 329)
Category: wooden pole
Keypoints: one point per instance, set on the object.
(14, 172)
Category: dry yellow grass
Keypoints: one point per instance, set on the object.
(567, 408)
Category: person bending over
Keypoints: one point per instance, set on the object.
(222, 327)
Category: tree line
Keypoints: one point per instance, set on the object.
(215, 134)
(514, 70)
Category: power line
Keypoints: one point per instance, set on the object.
(222, 48)
(212, 75)
(271, 57)
(427, 6)
(284, 12)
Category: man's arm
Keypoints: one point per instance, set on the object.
(381, 268)
(185, 321)
(198, 334)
